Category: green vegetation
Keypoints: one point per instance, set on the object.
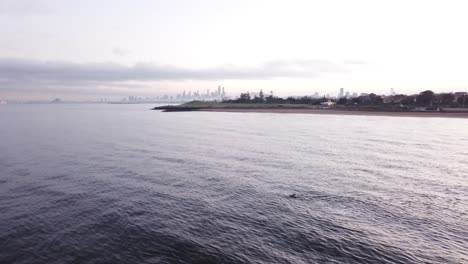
(225, 104)
(424, 101)
(198, 105)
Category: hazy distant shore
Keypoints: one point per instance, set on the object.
(338, 112)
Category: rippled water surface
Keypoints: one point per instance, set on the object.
(122, 184)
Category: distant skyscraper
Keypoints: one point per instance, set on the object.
(341, 93)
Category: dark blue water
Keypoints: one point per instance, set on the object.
(122, 184)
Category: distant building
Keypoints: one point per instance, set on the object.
(328, 104)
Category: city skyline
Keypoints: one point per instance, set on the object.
(220, 94)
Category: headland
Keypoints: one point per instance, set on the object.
(313, 109)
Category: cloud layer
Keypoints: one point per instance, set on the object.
(24, 78)
(21, 70)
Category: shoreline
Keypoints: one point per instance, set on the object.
(337, 112)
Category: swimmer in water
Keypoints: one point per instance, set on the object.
(293, 195)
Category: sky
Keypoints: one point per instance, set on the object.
(91, 49)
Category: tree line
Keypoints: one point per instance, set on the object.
(424, 99)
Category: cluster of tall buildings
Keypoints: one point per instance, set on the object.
(217, 94)
(220, 94)
(186, 96)
(343, 94)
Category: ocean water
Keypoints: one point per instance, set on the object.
(122, 184)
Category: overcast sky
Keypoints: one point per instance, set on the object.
(113, 48)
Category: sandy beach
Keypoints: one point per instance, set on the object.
(340, 112)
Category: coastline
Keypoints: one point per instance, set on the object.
(336, 112)
(365, 110)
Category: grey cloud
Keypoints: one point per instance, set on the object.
(22, 70)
